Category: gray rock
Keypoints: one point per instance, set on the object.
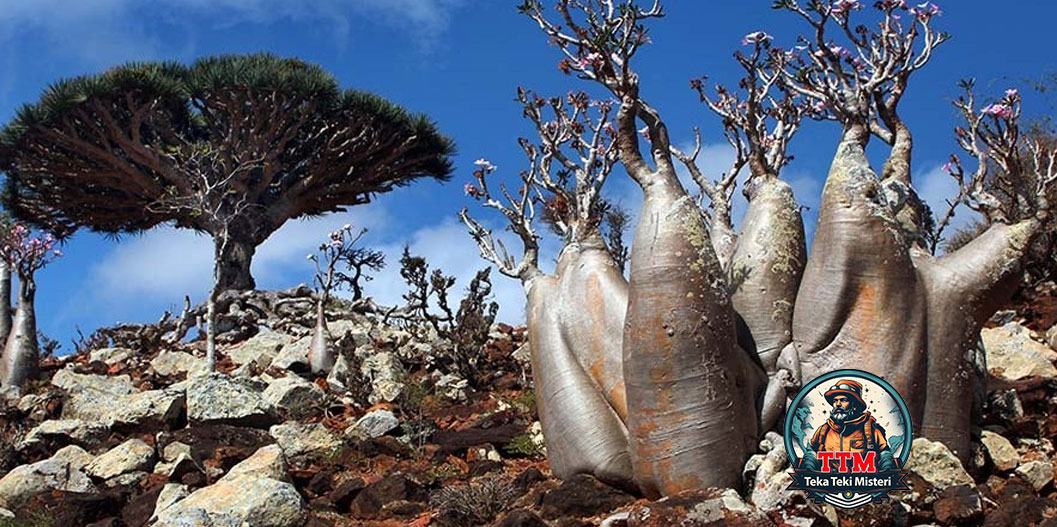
(174, 450)
(260, 350)
(169, 363)
(267, 462)
(170, 494)
(27, 481)
(217, 398)
(197, 517)
(87, 434)
(1051, 337)
(131, 456)
(374, 424)
(153, 408)
(255, 501)
(339, 376)
(127, 479)
(72, 382)
(1001, 451)
(302, 441)
(1013, 356)
(296, 397)
(386, 375)
(293, 356)
(727, 505)
(75, 455)
(1038, 473)
(1006, 404)
(452, 387)
(4, 513)
(110, 356)
(936, 465)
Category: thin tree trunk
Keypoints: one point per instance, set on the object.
(5, 301)
(767, 266)
(860, 304)
(582, 432)
(320, 353)
(692, 392)
(593, 297)
(21, 358)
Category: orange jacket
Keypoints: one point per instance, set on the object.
(850, 436)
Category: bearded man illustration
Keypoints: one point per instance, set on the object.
(850, 428)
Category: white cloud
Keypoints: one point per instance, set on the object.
(936, 186)
(107, 31)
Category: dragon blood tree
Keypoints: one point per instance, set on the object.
(25, 254)
(715, 322)
(233, 146)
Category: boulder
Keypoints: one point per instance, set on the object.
(370, 501)
(268, 463)
(153, 409)
(374, 424)
(302, 442)
(934, 463)
(242, 501)
(132, 455)
(710, 507)
(1013, 357)
(294, 396)
(76, 455)
(1051, 337)
(958, 505)
(27, 481)
(110, 356)
(217, 398)
(259, 350)
(1037, 473)
(386, 376)
(60, 432)
(293, 356)
(70, 382)
(170, 494)
(1000, 450)
(170, 363)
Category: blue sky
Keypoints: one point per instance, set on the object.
(460, 62)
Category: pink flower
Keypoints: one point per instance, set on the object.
(1002, 111)
(841, 7)
(1012, 93)
(757, 37)
(948, 167)
(473, 191)
(645, 132)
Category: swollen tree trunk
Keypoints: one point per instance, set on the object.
(692, 392)
(582, 432)
(964, 289)
(594, 300)
(233, 259)
(320, 353)
(861, 304)
(21, 358)
(5, 301)
(767, 266)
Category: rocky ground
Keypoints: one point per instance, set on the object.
(135, 433)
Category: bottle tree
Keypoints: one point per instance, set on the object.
(665, 382)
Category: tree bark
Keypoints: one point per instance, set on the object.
(5, 301)
(233, 262)
(21, 358)
(964, 289)
(692, 392)
(320, 353)
(582, 432)
(767, 266)
(860, 304)
(593, 296)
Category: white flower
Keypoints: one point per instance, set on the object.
(485, 165)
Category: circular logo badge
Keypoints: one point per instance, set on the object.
(848, 434)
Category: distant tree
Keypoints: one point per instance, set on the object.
(233, 146)
(339, 249)
(25, 254)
